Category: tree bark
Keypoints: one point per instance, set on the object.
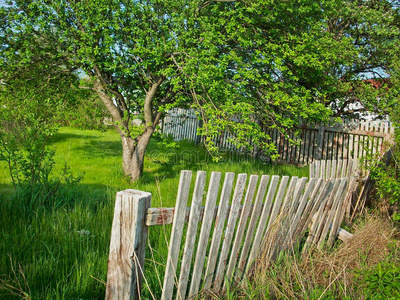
(133, 151)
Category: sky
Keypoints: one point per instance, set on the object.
(2, 3)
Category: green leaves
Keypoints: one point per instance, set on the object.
(383, 281)
(284, 62)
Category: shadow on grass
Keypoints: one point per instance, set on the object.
(100, 149)
(93, 146)
(27, 202)
(62, 137)
(6, 190)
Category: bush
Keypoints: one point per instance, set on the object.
(30, 113)
(382, 282)
(387, 174)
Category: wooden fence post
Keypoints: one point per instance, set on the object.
(127, 247)
(198, 137)
(320, 142)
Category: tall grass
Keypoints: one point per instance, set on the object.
(60, 251)
(365, 267)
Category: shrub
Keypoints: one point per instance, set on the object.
(382, 281)
(387, 174)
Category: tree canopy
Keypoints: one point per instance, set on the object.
(270, 63)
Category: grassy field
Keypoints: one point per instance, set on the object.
(60, 251)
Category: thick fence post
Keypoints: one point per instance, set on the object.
(127, 247)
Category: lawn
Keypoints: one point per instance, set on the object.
(60, 251)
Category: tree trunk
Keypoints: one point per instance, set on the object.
(133, 151)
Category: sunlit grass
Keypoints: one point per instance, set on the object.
(61, 251)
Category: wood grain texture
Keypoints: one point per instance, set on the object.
(191, 234)
(278, 200)
(212, 195)
(338, 199)
(127, 250)
(321, 215)
(263, 221)
(300, 212)
(243, 220)
(176, 234)
(219, 226)
(255, 214)
(229, 230)
(318, 204)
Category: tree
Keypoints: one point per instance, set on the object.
(299, 61)
(325, 50)
(244, 65)
(128, 49)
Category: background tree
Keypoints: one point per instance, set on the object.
(319, 50)
(262, 63)
(288, 62)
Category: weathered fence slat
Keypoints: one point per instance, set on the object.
(176, 235)
(339, 167)
(278, 200)
(343, 168)
(331, 210)
(241, 228)
(296, 199)
(219, 226)
(309, 209)
(282, 223)
(328, 169)
(229, 230)
(263, 220)
(339, 215)
(333, 169)
(291, 237)
(320, 201)
(191, 234)
(208, 218)
(319, 216)
(256, 212)
(301, 183)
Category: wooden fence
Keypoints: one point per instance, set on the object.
(348, 140)
(182, 124)
(338, 169)
(253, 218)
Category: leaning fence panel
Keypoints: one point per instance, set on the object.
(260, 218)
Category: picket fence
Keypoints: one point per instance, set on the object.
(253, 218)
(347, 140)
(339, 169)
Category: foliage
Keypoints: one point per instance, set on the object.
(386, 171)
(86, 111)
(387, 182)
(263, 63)
(383, 281)
(30, 111)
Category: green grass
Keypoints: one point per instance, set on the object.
(61, 251)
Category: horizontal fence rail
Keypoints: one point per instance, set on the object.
(347, 140)
(244, 218)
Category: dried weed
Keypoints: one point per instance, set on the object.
(331, 273)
